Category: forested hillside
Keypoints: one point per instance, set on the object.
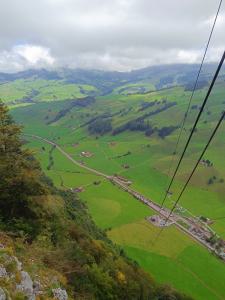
(51, 232)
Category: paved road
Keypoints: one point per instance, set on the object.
(163, 212)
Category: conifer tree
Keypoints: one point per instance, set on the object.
(20, 178)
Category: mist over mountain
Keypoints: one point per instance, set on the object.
(161, 76)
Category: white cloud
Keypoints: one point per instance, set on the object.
(113, 35)
(190, 56)
(34, 54)
(25, 56)
(219, 22)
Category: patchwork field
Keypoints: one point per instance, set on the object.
(35, 90)
(139, 145)
(173, 259)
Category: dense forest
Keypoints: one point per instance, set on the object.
(52, 233)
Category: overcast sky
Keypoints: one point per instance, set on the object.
(107, 34)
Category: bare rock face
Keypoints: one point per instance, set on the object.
(3, 272)
(26, 286)
(60, 294)
(18, 263)
(2, 294)
(37, 287)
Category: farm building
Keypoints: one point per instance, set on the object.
(78, 189)
(159, 221)
(86, 154)
(123, 179)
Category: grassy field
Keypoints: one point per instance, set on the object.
(175, 258)
(37, 90)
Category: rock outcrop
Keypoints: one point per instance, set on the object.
(3, 272)
(26, 285)
(21, 281)
(60, 294)
(2, 294)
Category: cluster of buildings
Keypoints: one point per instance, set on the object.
(122, 179)
(194, 227)
(159, 221)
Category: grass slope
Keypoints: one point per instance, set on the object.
(177, 259)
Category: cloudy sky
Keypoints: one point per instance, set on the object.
(107, 34)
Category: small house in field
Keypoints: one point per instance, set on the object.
(123, 179)
(206, 163)
(169, 194)
(125, 166)
(159, 221)
(79, 189)
(86, 154)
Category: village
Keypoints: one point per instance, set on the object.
(195, 227)
(198, 228)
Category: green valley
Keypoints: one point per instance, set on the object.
(128, 127)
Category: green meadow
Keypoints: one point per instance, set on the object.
(174, 258)
(36, 90)
(146, 161)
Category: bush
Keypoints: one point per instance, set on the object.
(165, 131)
